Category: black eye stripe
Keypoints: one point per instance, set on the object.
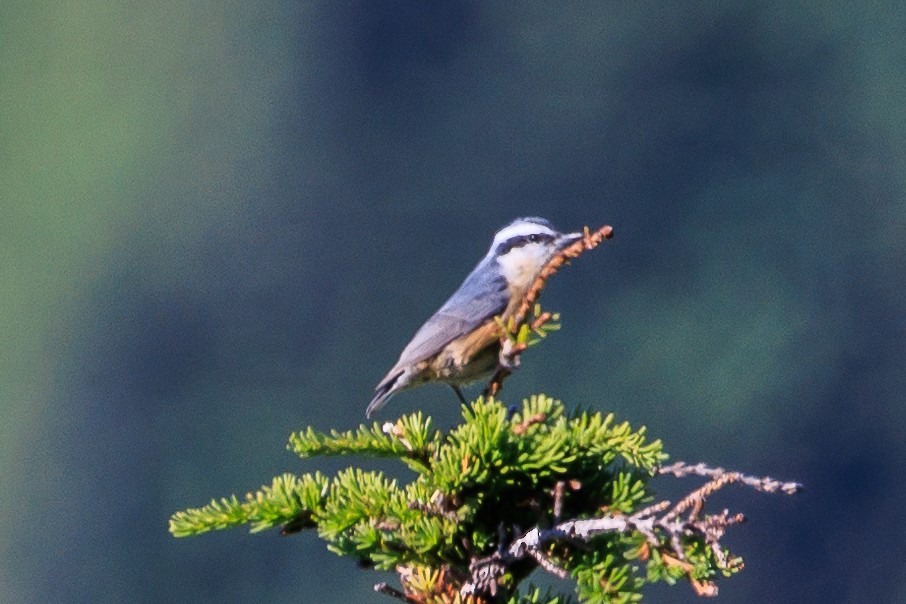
(522, 240)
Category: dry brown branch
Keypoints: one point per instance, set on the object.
(659, 523)
(590, 241)
(547, 564)
(510, 349)
(767, 484)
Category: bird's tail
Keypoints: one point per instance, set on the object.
(383, 392)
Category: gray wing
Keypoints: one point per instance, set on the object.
(482, 296)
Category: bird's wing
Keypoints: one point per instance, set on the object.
(481, 297)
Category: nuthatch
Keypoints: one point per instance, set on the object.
(460, 343)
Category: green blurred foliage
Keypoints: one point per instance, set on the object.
(222, 221)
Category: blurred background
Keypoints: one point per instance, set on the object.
(222, 221)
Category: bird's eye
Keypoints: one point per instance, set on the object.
(534, 238)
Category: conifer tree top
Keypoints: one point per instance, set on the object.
(501, 494)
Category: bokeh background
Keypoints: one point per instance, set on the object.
(221, 222)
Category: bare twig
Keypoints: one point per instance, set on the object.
(589, 241)
(660, 523)
(547, 564)
(767, 484)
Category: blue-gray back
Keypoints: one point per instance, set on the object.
(482, 296)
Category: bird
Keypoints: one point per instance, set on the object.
(460, 343)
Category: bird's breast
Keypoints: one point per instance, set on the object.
(469, 357)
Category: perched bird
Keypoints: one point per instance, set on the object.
(460, 343)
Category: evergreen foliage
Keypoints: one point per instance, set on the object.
(476, 490)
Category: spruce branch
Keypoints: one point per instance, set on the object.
(514, 338)
(288, 501)
(411, 439)
(452, 533)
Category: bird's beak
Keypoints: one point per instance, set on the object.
(568, 239)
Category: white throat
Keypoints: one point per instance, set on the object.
(521, 265)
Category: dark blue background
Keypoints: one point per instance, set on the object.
(225, 222)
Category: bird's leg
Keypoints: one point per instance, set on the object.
(508, 360)
(496, 382)
(458, 392)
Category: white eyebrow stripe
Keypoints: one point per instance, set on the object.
(518, 229)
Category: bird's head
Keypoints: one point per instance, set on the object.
(524, 246)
